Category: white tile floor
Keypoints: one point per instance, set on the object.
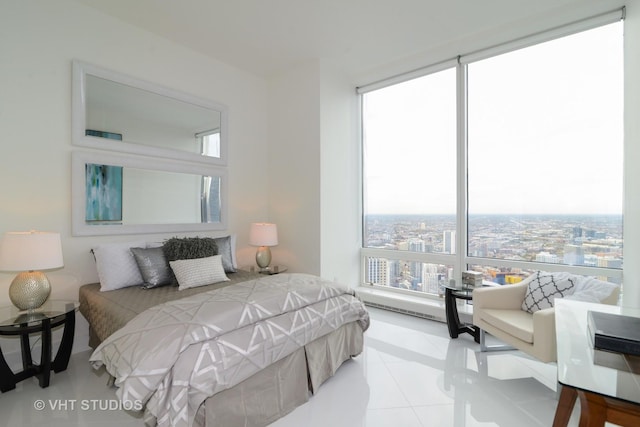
(410, 374)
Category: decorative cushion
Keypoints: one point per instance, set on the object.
(116, 265)
(543, 288)
(153, 266)
(227, 248)
(192, 273)
(189, 248)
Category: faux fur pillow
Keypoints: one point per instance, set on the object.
(189, 248)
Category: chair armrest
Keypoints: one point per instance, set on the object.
(506, 297)
(544, 333)
(544, 320)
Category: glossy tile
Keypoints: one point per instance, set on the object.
(405, 417)
(410, 374)
(78, 396)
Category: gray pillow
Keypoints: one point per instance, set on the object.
(225, 248)
(154, 267)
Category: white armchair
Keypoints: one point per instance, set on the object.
(498, 311)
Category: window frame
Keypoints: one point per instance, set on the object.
(461, 259)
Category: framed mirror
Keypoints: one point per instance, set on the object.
(114, 194)
(113, 111)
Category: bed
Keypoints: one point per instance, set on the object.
(188, 357)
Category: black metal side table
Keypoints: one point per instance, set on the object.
(456, 327)
(22, 323)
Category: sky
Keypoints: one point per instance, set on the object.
(545, 133)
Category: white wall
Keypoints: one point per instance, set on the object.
(38, 41)
(313, 171)
(294, 167)
(340, 178)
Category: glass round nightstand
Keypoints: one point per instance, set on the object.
(272, 269)
(15, 322)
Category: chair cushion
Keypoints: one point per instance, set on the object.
(517, 323)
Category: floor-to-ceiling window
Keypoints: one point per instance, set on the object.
(502, 162)
(410, 182)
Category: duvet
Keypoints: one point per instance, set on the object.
(173, 356)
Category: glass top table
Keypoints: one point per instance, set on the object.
(14, 322)
(12, 316)
(592, 374)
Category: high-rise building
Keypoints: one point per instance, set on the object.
(573, 255)
(415, 268)
(449, 241)
(378, 271)
(416, 245)
(547, 257)
(607, 262)
(395, 271)
(577, 232)
(610, 262)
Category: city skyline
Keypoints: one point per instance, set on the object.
(579, 240)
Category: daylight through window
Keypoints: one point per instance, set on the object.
(525, 173)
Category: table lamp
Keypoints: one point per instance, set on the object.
(29, 252)
(263, 234)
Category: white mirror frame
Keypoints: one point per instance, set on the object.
(79, 116)
(78, 194)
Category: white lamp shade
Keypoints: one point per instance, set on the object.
(30, 250)
(263, 234)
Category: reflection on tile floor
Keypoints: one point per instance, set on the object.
(410, 374)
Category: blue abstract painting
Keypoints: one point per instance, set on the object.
(103, 192)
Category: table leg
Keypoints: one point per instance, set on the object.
(64, 352)
(45, 358)
(451, 313)
(567, 400)
(25, 348)
(593, 409)
(7, 377)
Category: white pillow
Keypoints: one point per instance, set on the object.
(590, 289)
(192, 273)
(117, 268)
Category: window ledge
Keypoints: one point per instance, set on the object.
(429, 308)
(408, 304)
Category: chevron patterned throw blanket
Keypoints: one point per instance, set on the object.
(173, 356)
